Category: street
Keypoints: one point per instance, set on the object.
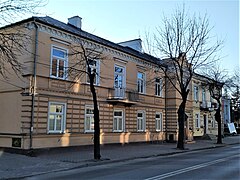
(217, 163)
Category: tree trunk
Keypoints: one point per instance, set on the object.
(218, 119)
(181, 119)
(97, 155)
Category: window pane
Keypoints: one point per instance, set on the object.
(58, 122)
(92, 123)
(59, 53)
(59, 109)
(140, 115)
(61, 69)
(140, 75)
(118, 113)
(115, 124)
(52, 108)
(54, 67)
(157, 115)
(51, 122)
(118, 69)
(119, 123)
(89, 111)
(87, 125)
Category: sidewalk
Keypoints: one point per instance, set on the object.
(17, 166)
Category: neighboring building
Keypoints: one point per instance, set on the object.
(49, 107)
(204, 107)
(226, 103)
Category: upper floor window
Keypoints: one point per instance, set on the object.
(159, 123)
(203, 95)
(158, 87)
(59, 63)
(141, 82)
(95, 69)
(56, 117)
(141, 121)
(196, 93)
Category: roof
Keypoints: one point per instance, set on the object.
(79, 32)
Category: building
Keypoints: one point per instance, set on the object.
(51, 106)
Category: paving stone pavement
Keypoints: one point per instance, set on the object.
(19, 166)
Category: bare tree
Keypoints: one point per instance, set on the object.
(85, 63)
(186, 44)
(13, 39)
(216, 81)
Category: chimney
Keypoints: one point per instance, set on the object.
(75, 21)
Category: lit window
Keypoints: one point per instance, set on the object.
(158, 87)
(89, 119)
(140, 121)
(59, 63)
(56, 117)
(118, 122)
(141, 82)
(159, 123)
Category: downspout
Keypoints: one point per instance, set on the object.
(166, 119)
(33, 88)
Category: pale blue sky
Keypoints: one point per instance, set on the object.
(119, 21)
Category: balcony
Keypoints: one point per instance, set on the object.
(206, 106)
(122, 96)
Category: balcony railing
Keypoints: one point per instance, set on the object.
(123, 95)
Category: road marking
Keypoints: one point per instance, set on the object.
(180, 171)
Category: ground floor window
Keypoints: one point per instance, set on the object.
(118, 121)
(197, 120)
(141, 121)
(56, 117)
(89, 119)
(159, 123)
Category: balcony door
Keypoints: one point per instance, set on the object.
(119, 81)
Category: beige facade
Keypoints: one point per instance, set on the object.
(49, 107)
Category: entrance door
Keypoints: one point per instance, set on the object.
(205, 120)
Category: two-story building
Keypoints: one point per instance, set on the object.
(50, 103)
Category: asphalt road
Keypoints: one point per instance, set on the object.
(218, 163)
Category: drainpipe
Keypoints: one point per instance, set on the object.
(166, 120)
(33, 88)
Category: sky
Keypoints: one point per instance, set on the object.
(124, 20)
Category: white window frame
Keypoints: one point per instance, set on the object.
(91, 116)
(118, 118)
(196, 93)
(97, 67)
(141, 121)
(158, 87)
(65, 61)
(123, 74)
(197, 120)
(159, 122)
(141, 81)
(63, 119)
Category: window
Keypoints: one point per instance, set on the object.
(56, 117)
(59, 63)
(141, 82)
(159, 123)
(95, 68)
(158, 87)
(203, 95)
(197, 120)
(140, 121)
(89, 119)
(118, 121)
(119, 81)
(195, 93)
